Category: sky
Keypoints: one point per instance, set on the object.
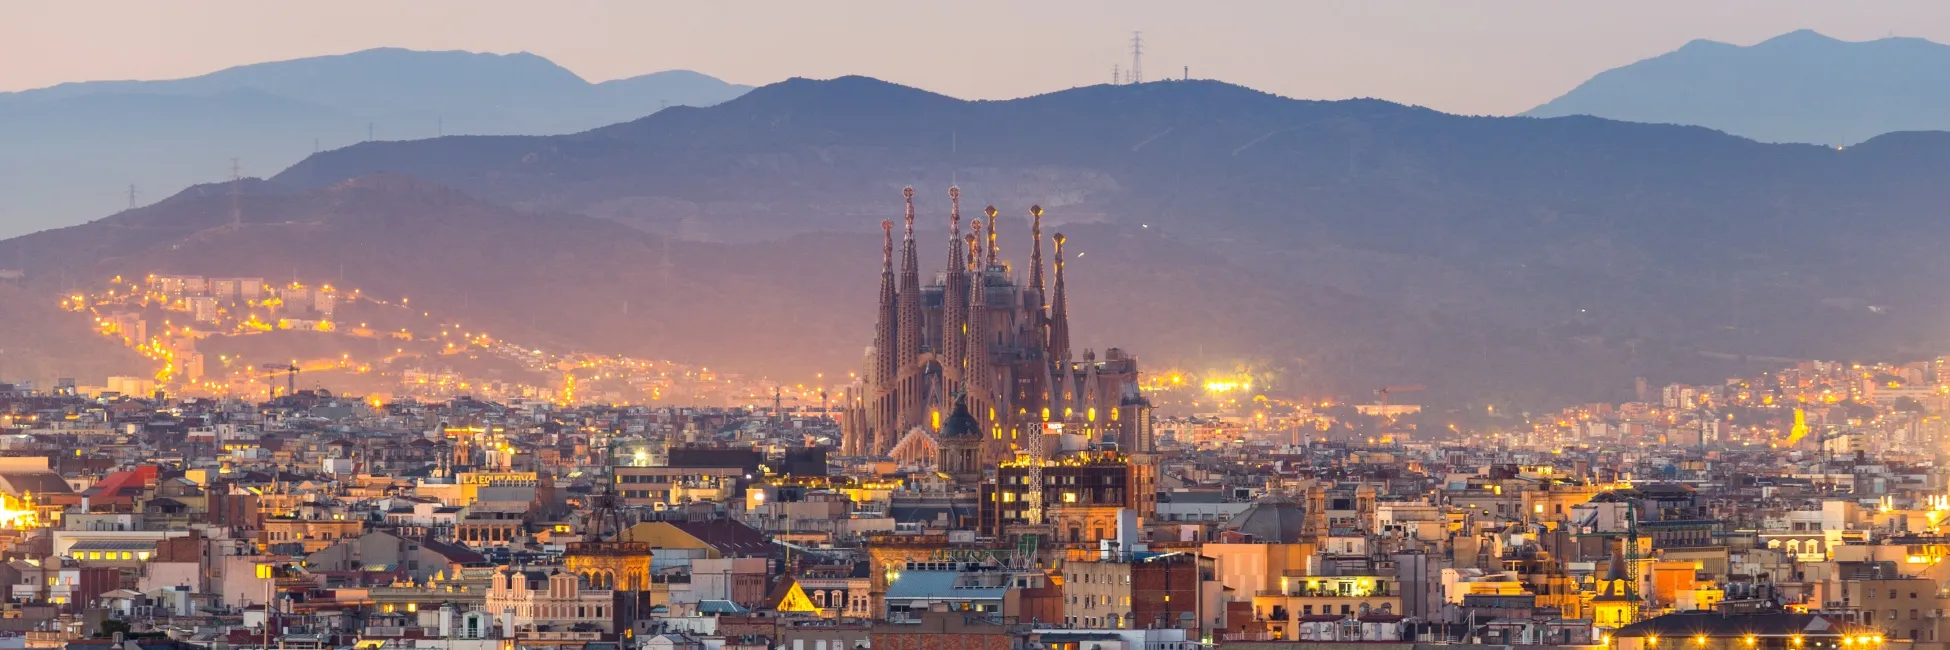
(1460, 56)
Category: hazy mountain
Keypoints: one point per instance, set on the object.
(1797, 87)
(74, 149)
(1345, 243)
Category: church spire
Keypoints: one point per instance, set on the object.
(978, 375)
(886, 338)
(954, 304)
(1036, 249)
(911, 406)
(954, 231)
(975, 247)
(910, 291)
(1059, 311)
(995, 245)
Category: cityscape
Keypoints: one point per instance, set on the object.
(1164, 363)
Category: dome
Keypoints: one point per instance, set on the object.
(961, 423)
(1272, 520)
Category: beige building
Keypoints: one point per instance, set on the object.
(534, 597)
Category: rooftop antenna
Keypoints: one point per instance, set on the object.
(1137, 57)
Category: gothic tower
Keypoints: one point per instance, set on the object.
(912, 410)
(883, 413)
(954, 304)
(1059, 312)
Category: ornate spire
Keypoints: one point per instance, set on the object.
(995, 245)
(1036, 248)
(882, 418)
(910, 298)
(975, 247)
(1059, 311)
(954, 304)
(955, 249)
(907, 194)
(978, 380)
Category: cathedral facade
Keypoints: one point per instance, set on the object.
(985, 337)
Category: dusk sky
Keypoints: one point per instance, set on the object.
(1466, 57)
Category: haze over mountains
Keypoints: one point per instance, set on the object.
(74, 149)
(1797, 87)
(1346, 244)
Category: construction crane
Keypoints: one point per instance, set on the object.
(290, 371)
(1383, 392)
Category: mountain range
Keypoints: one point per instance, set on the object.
(1344, 245)
(75, 149)
(1798, 87)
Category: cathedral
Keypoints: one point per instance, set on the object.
(986, 349)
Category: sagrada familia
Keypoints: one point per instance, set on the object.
(977, 366)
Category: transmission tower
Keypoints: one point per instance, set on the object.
(236, 193)
(1137, 57)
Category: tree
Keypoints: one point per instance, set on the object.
(112, 627)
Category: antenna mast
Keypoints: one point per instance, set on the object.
(1137, 57)
(236, 193)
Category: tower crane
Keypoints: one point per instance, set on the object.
(1383, 392)
(290, 371)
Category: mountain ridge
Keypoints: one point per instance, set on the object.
(1801, 86)
(98, 138)
(1348, 244)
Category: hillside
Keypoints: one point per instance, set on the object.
(90, 141)
(1797, 87)
(1347, 244)
(792, 307)
(1618, 232)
